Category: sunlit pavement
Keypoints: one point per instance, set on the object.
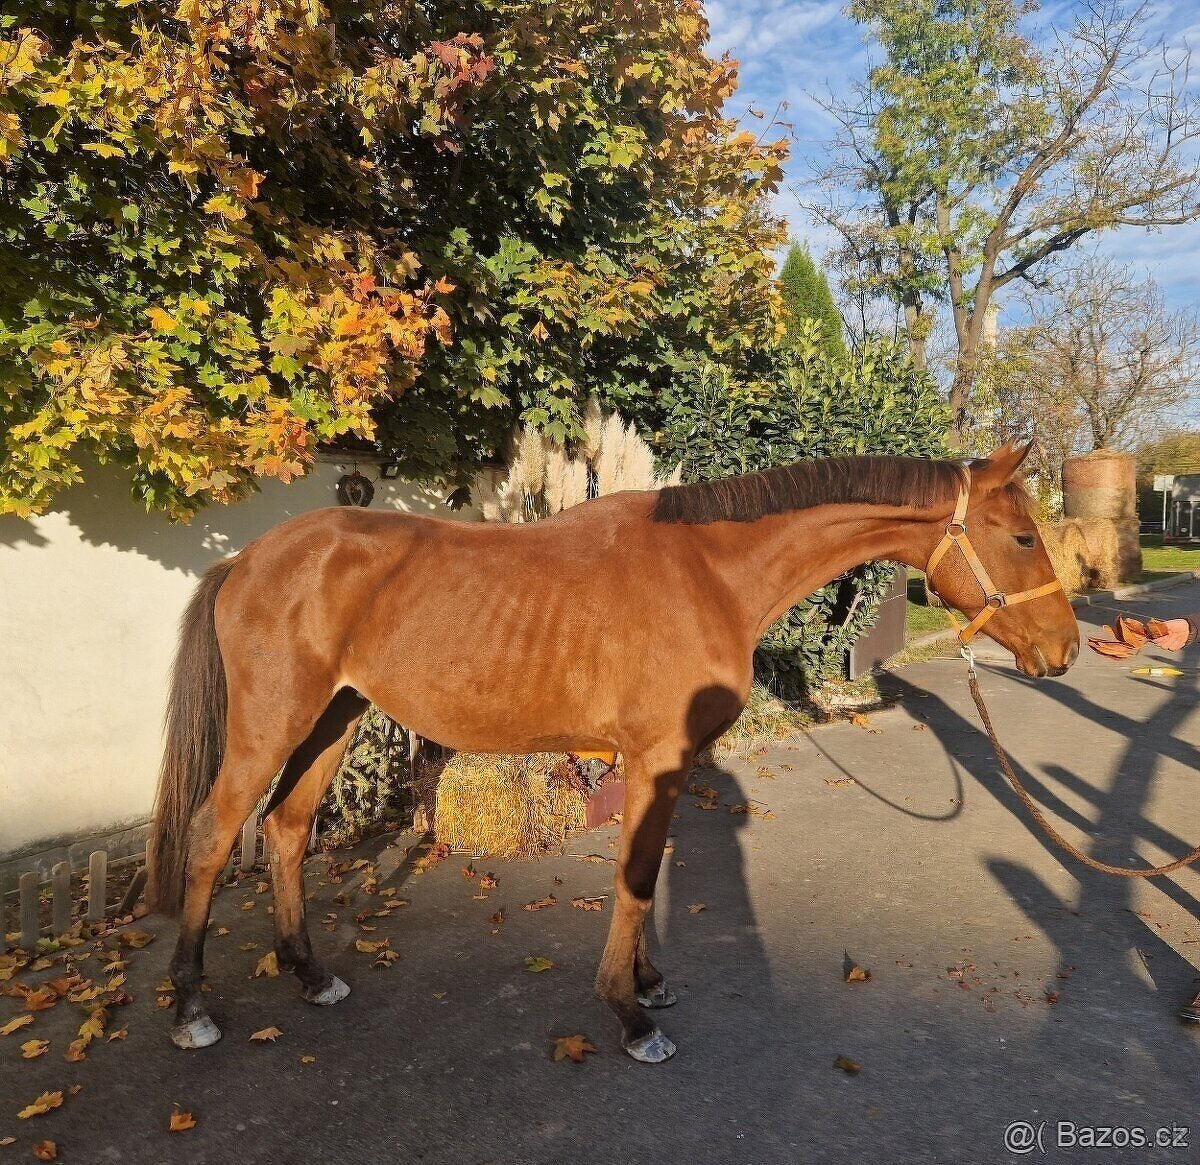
(1012, 993)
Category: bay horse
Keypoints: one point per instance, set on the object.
(627, 624)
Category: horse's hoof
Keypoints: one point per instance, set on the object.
(660, 995)
(650, 1049)
(328, 996)
(200, 1032)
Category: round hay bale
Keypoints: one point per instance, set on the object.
(1068, 551)
(1100, 485)
(506, 806)
(1129, 550)
(1103, 555)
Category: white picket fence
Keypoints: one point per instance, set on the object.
(21, 894)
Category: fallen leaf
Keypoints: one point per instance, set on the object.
(46, 1151)
(222, 931)
(268, 965)
(439, 995)
(135, 938)
(248, 905)
(705, 791)
(31, 1049)
(308, 1059)
(857, 974)
(41, 1106)
(267, 1033)
(839, 782)
(498, 917)
(696, 907)
(369, 946)
(572, 1048)
(537, 963)
(40, 1000)
(6, 1141)
(119, 1034)
(249, 947)
(850, 1067)
(588, 903)
(181, 1121)
(489, 882)
(14, 1024)
(859, 720)
(710, 805)
(541, 903)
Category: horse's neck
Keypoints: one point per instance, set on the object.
(775, 561)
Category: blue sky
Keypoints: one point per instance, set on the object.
(790, 49)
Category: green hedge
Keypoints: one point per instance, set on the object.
(810, 404)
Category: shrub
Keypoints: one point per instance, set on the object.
(809, 405)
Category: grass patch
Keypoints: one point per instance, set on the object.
(920, 618)
(765, 718)
(1158, 560)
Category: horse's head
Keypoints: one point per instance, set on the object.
(992, 566)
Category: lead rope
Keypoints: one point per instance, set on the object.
(1035, 810)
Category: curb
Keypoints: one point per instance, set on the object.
(1098, 598)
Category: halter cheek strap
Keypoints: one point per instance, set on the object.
(993, 598)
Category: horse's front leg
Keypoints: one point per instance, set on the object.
(652, 785)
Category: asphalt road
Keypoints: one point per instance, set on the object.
(1007, 984)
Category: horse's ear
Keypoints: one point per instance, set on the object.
(1003, 463)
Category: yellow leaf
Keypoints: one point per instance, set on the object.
(14, 1024)
(267, 1033)
(31, 1049)
(135, 938)
(268, 965)
(104, 149)
(181, 1122)
(41, 1106)
(162, 321)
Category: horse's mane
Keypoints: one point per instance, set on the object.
(897, 481)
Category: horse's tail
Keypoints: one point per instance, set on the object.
(194, 742)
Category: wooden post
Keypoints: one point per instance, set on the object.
(30, 927)
(6, 882)
(97, 885)
(250, 842)
(61, 902)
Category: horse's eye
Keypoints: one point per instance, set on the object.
(1025, 541)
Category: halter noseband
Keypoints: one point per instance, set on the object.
(993, 599)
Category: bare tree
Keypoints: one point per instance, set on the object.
(1103, 363)
(970, 156)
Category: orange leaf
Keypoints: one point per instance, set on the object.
(541, 903)
(850, 1067)
(181, 1122)
(857, 974)
(267, 1033)
(1131, 631)
(572, 1048)
(13, 1024)
(46, 1151)
(135, 938)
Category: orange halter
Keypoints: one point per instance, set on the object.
(993, 599)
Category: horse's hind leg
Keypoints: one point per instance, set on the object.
(288, 826)
(244, 777)
(652, 784)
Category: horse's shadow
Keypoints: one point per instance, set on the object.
(1115, 960)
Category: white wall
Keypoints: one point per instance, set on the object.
(90, 596)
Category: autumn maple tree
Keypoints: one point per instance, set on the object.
(236, 230)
